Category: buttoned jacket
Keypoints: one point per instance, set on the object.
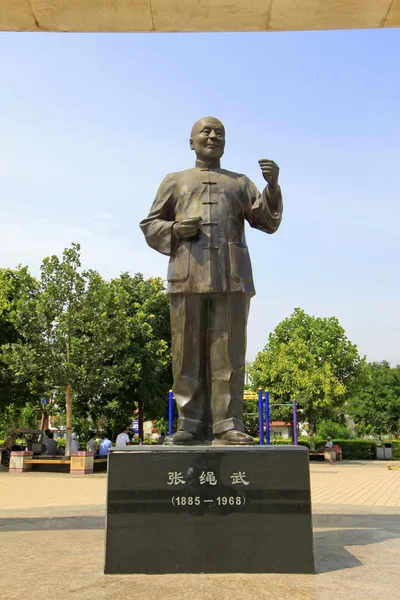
(216, 260)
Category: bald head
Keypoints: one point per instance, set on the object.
(213, 121)
(208, 139)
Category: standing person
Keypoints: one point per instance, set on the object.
(74, 443)
(105, 445)
(92, 444)
(198, 219)
(123, 439)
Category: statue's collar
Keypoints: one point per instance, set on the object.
(212, 164)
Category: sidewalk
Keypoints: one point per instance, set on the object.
(360, 483)
(52, 538)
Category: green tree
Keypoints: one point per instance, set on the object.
(311, 360)
(135, 340)
(250, 417)
(47, 318)
(334, 429)
(13, 283)
(375, 408)
(80, 341)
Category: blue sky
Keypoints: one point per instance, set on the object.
(90, 125)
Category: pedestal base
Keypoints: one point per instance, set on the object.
(82, 462)
(209, 509)
(17, 461)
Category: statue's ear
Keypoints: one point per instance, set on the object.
(191, 144)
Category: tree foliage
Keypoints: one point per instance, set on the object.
(309, 359)
(13, 284)
(333, 429)
(130, 361)
(375, 408)
(80, 341)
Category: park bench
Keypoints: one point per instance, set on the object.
(78, 463)
(47, 461)
(57, 461)
(317, 456)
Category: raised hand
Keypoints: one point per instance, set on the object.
(270, 171)
(187, 228)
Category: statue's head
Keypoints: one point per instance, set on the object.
(208, 139)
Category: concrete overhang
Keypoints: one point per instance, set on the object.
(196, 15)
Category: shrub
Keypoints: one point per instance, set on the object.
(318, 441)
(304, 443)
(335, 430)
(357, 449)
(250, 418)
(396, 449)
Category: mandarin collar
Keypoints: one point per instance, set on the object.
(212, 164)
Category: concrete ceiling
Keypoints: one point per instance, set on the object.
(196, 15)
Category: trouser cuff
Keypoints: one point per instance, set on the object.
(227, 425)
(190, 425)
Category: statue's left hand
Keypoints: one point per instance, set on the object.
(270, 171)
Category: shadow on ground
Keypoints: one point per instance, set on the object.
(335, 533)
(341, 531)
(51, 523)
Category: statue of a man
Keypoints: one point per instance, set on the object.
(197, 219)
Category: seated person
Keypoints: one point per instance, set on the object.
(51, 444)
(123, 439)
(74, 443)
(92, 444)
(105, 445)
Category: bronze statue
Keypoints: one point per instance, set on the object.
(197, 219)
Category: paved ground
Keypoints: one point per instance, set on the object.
(361, 483)
(52, 538)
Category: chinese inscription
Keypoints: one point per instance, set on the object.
(175, 478)
(208, 477)
(239, 477)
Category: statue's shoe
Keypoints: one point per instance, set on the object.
(234, 437)
(178, 438)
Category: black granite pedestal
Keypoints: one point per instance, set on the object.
(209, 509)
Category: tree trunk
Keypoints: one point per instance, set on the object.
(68, 397)
(311, 431)
(44, 422)
(141, 434)
(68, 412)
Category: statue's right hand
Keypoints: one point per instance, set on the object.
(187, 228)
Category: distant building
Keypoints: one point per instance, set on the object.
(280, 430)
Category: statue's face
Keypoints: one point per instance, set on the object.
(208, 139)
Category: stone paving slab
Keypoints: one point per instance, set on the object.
(52, 538)
(361, 484)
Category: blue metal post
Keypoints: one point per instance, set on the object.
(295, 423)
(260, 416)
(268, 436)
(170, 412)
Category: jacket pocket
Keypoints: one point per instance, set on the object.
(240, 265)
(178, 268)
